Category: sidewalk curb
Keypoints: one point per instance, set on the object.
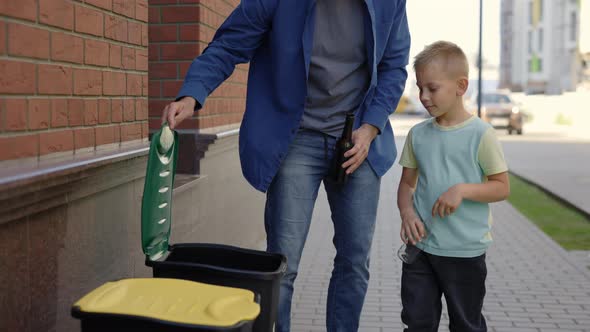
(553, 195)
(564, 253)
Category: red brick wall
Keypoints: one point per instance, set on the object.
(73, 75)
(179, 31)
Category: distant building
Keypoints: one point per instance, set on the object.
(540, 45)
(585, 43)
(585, 72)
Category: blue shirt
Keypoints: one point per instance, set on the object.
(276, 37)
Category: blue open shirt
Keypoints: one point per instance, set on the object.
(276, 37)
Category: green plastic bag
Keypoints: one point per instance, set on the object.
(156, 205)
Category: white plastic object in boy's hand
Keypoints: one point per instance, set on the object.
(408, 253)
(166, 140)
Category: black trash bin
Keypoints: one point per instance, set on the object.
(222, 265)
(156, 305)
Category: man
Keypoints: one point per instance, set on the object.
(311, 62)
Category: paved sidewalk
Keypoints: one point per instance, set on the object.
(533, 284)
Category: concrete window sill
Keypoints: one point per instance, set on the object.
(37, 186)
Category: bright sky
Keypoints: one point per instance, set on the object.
(456, 21)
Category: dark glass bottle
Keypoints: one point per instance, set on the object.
(342, 145)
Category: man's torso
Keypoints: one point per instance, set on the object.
(338, 71)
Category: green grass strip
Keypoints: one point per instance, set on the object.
(566, 226)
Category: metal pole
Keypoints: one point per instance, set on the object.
(479, 93)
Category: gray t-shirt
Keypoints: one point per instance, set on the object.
(338, 72)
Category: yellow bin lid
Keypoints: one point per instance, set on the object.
(172, 300)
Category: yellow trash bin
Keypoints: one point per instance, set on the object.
(171, 305)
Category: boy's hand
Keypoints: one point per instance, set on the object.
(448, 202)
(412, 228)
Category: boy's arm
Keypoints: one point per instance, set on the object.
(497, 188)
(412, 228)
(405, 190)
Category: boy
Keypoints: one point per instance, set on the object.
(453, 166)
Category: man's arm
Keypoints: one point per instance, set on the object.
(392, 75)
(391, 72)
(236, 41)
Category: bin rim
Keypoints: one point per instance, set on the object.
(226, 246)
(260, 275)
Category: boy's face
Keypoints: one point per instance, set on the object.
(438, 90)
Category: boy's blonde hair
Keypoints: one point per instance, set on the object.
(453, 57)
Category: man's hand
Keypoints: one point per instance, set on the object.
(361, 138)
(177, 111)
(412, 229)
(448, 202)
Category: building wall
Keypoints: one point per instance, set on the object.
(73, 143)
(515, 25)
(572, 49)
(540, 32)
(540, 43)
(179, 31)
(520, 56)
(73, 76)
(506, 49)
(562, 40)
(57, 253)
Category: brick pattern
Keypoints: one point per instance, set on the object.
(70, 70)
(178, 32)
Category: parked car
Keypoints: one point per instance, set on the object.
(499, 110)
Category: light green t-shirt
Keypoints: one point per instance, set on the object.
(444, 157)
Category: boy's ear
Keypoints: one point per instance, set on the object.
(462, 85)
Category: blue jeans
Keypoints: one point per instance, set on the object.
(289, 206)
